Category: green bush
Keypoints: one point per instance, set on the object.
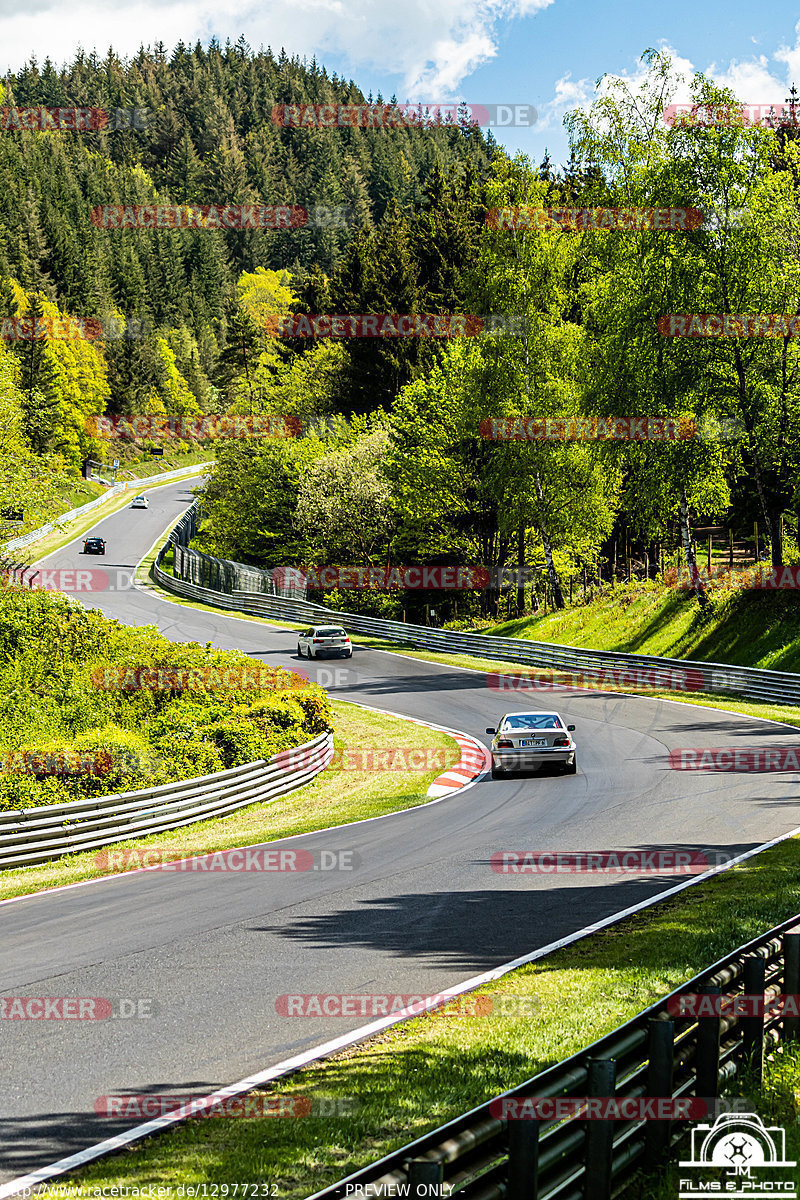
(317, 709)
(26, 791)
(72, 692)
(185, 757)
(239, 741)
(126, 759)
(386, 606)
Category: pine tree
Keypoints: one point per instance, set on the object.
(39, 387)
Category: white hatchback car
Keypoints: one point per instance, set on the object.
(324, 639)
(140, 502)
(525, 740)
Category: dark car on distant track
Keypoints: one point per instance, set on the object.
(94, 546)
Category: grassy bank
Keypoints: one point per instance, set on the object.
(158, 466)
(335, 797)
(413, 1078)
(745, 627)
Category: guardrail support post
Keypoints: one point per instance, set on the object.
(600, 1134)
(753, 1026)
(791, 981)
(424, 1178)
(660, 1082)
(523, 1160)
(707, 1051)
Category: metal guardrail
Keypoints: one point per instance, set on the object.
(607, 670)
(482, 1157)
(36, 835)
(125, 485)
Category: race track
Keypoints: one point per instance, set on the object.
(421, 911)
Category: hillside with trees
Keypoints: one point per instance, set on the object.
(433, 488)
(176, 307)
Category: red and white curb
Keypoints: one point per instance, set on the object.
(475, 759)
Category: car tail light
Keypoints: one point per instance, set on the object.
(504, 744)
(561, 742)
(319, 639)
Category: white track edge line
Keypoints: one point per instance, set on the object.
(290, 1065)
(65, 887)
(80, 536)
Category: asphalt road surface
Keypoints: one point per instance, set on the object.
(422, 909)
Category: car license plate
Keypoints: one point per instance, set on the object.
(534, 742)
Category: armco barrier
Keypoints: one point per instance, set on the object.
(128, 484)
(36, 835)
(656, 1054)
(605, 670)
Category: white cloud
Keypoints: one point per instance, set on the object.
(570, 93)
(752, 81)
(432, 45)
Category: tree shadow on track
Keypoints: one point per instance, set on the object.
(477, 930)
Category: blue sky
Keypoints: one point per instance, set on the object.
(542, 52)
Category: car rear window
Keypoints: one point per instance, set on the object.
(536, 721)
(331, 632)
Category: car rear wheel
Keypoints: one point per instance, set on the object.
(349, 654)
(497, 772)
(299, 651)
(572, 768)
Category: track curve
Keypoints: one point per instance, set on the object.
(422, 910)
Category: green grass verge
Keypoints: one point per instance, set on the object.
(408, 1080)
(784, 713)
(68, 491)
(156, 466)
(336, 797)
(743, 627)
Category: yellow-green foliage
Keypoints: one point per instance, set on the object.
(75, 693)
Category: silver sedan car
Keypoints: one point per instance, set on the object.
(525, 740)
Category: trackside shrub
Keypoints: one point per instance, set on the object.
(92, 707)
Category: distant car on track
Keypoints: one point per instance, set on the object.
(140, 502)
(324, 639)
(94, 545)
(525, 740)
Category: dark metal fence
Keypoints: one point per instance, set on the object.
(478, 1156)
(220, 574)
